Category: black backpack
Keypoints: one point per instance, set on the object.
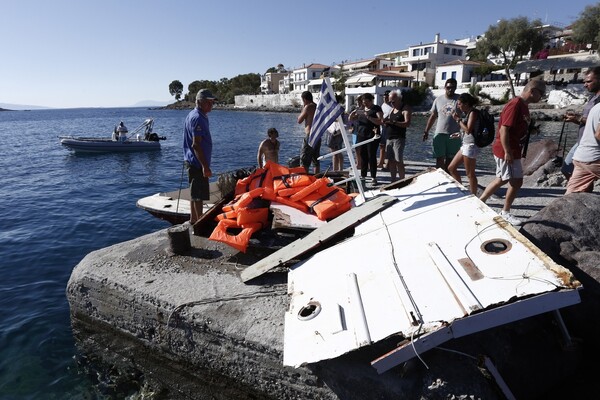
(487, 129)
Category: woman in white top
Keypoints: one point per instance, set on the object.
(468, 152)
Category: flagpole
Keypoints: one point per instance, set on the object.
(347, 145)
(354, 146)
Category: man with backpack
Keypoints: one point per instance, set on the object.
(507, 148)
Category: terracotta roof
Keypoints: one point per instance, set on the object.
(316, 65)
(463, 62)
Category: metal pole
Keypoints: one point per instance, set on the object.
(347, 146)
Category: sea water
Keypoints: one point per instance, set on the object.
(58, 206)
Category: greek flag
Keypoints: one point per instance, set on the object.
(327, 112)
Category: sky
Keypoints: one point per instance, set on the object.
(116, 53)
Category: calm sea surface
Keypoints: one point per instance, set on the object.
(58, 206)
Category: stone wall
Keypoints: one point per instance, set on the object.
(559, 97)
(269, 101)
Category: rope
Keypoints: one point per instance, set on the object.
(251, 295)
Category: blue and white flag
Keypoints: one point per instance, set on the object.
(326, 113)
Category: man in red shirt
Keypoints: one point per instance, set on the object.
(507, 147)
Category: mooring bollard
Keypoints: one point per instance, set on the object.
(179, 238)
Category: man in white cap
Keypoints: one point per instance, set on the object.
(197, 151)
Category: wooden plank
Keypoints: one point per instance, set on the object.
(286, 217)
(340, 224)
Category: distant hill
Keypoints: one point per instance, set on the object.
(151, 103)
(19, 107)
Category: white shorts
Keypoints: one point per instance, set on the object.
(507, 171)
(469, 150)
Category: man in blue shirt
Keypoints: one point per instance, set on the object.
(197, 151)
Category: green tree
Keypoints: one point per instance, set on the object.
(484, 70)
(194, 88)
(340, 82)
(415, 96)
(226, 89)
(586, 29)
(511, 40)
(176, 89)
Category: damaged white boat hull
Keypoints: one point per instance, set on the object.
(435, 265)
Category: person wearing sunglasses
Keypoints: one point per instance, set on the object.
(508, 146)
(445, 147)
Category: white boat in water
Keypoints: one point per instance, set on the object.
(141, 138)
(174, 206)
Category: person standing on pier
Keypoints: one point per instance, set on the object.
(308, 154)
(367, 123)
(443, 108)
(197, 152)
(469, 122)
(397, 121)
(386, 107)
(507, 147)
(592, 84)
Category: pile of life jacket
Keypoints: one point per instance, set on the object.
(248, 212)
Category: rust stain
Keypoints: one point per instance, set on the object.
(563, 274)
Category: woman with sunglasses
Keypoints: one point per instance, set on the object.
(367, 124)
(468, 152)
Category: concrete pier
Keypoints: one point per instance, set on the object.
(184, 326)
(187, 327)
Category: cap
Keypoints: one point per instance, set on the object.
(205, 94)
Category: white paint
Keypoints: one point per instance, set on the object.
(405, 260)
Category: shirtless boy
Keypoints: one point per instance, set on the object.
(268, 149)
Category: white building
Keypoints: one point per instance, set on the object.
(422, 60)
(376, 83)
(372, 64)
(302, 76)
(269, 82)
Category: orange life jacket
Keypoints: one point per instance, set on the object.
(239, 241)
(327, 202)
